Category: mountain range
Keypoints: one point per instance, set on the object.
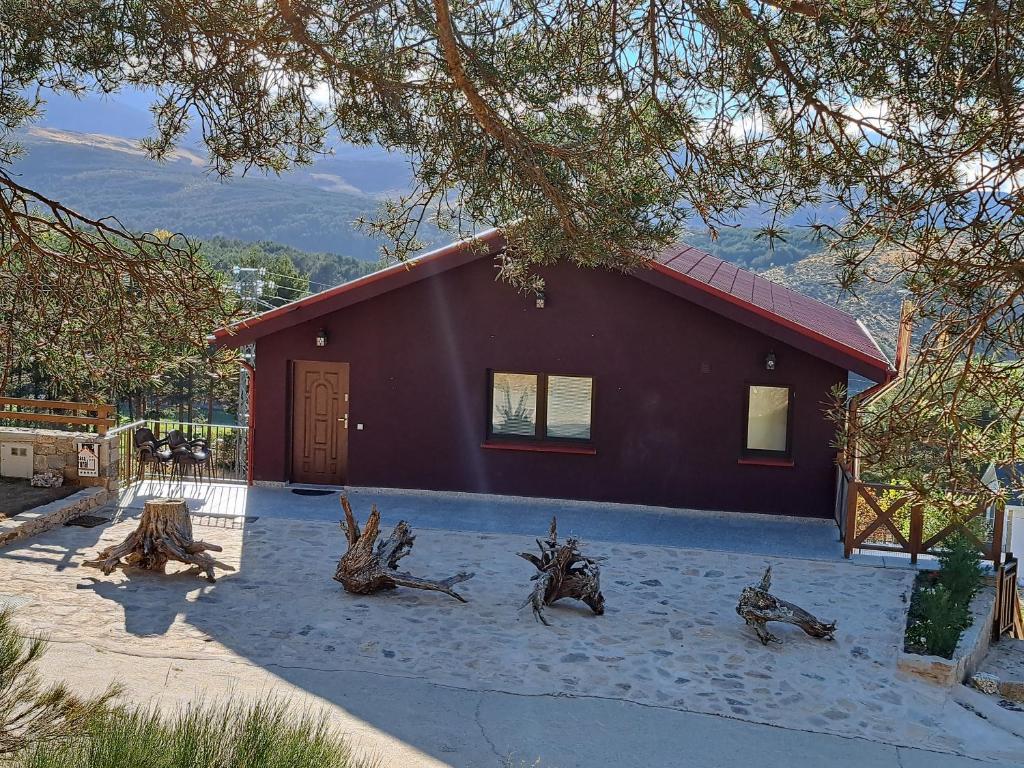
(86, 154)
(311, 209)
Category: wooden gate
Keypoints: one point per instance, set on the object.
(1008, 615)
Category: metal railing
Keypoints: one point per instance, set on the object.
(227, 443)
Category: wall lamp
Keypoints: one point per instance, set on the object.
(769, 362)
(540, 299)
(321, 338)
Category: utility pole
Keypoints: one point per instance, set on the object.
(250, 284)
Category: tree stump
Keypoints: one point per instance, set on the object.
(758, 606)
(563, 572)
(164, 533)
(363, 570)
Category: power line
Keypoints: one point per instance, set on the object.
(294, 277)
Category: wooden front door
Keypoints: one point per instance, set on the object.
(320, 423)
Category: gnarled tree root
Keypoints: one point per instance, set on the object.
(563, 572)
(758, 606)
(363, 570)
(164, 534)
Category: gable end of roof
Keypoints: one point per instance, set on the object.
(776, 310)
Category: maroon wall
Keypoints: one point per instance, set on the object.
(665, 432)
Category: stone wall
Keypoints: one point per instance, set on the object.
(58, 450)
(39, 519)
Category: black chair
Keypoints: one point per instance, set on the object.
(149, 451)
(189, 456)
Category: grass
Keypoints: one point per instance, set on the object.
(264, 734)
(45, 725)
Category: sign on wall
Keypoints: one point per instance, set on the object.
(88, 459)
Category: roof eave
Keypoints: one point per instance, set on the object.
(771, 324)
(489, 242)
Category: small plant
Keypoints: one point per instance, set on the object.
(939, 621)
(518, 418)
(960, 571)
(940, 606)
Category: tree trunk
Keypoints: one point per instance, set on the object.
(563, 572)
(758, 606)
(164, 533)
(363, 570)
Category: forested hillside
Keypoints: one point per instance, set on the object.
(876, 304)
(318, 270)
(313, 209)
(742, 246)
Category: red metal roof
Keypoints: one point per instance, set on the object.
(723, 287)
(783, 305)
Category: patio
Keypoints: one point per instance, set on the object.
(624, 523)
(406, 673)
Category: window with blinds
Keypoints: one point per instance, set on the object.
(539, 406)
(569, 401)
(768, 419)
(514, 404)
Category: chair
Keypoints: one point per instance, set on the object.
(150, 451)
(188, 455)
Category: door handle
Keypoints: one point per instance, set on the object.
(345, 419)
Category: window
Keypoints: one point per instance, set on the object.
(568, 413)
(768, 420)
(514, 404)
(536, 406)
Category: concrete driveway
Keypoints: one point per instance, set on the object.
(591, 521)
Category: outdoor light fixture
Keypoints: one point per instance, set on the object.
(321, 338)
(540, 299)
(769, 362)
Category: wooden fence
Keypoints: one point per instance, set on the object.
(884, 518)
(13, 409)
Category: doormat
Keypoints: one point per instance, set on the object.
(311, 492)
(87, 521)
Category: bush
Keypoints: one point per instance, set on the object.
(940, 606)
(960, 571)
(31, 711)
(939, 620)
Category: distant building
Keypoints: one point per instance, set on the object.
(1009, 477)
(691, 383)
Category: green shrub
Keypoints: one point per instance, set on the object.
(940, 607)
(936, 622)
(960, 571)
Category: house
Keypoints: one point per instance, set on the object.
(691, 383)
(1009, 478)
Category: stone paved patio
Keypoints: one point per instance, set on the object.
(633, 524)
(670, 637)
